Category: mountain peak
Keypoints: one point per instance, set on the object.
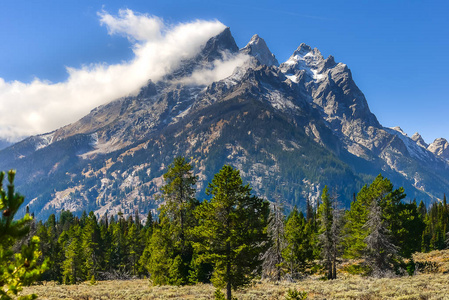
(303, 48)
(259, 49)
(305, 57)
(440, 147)
(419, 140)
(399, 129)
(215, 46)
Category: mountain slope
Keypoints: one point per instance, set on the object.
(290, 128)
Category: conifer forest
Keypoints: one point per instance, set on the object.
(234, 236)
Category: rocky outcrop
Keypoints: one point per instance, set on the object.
(440, 147)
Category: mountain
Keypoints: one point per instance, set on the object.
(440, 147)
(291, 128)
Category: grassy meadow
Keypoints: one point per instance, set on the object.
(431, 282)
(423, 286)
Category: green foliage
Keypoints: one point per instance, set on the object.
(328, 234)
(222, 239)
(171, 244)
(92, 280)
(380, 190)
(294, 294)
(410, 267)
(218, 295)
(356, 269)
(232, 230)
(21, 268)
(407, 225)
(435, 235)
(300, 239)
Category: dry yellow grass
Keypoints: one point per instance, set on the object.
(439, 260)
(423, 286)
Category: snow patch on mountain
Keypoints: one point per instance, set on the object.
(44, 140)
(304, 58)
(412, 147)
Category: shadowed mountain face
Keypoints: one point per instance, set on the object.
(290, 128)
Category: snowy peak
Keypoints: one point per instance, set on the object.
(306, 59)
(306, 56)
(419, 140)
(259, 49)
(440, 147)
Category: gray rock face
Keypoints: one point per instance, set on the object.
(440, 147)
(419, 140)
(259, 49)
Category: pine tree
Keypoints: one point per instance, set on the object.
(119, 254)
(171, 246)
(330, 231)
(72, 271)
(408, 224)
(379, 251)
(90, 243)
(232, 230)
(179, 196)
(310, 214)
(272, 258)
(133, 241)
(389, 199)
(22, 268)
(146, 236)
(298, 252)
(106, 244)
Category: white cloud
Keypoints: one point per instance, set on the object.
(136, 27)
(219, 69)
(42, 106)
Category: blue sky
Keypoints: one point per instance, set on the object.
(396, 50)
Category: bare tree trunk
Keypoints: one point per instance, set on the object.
(334, 269)
(228, 272)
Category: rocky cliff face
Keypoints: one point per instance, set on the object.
(440, 147)
(290, 129)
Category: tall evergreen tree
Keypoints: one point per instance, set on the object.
(179, 196)
(330, 231)
(171, 247)
(72, 271)
(232, 230)
(272, 258)
(300, 243)
(90, 243)
(380, 190)
(380, 251)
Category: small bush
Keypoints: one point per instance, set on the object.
(356, 269)
(294, 294)
(219, 295)
(427, 266)
(410, 267)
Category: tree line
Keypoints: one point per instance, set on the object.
(235, 236)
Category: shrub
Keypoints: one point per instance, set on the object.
(294, 294)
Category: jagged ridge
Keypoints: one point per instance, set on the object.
(290, 128)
